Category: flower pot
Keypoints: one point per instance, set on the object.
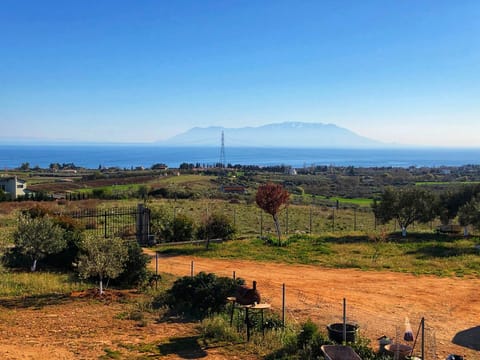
(335, 332)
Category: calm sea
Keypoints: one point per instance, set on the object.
(126, 156)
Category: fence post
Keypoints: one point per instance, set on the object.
(333, 219)
(143, 223)
(344, 321)
(191, 268)
(234, 217)
(261, 224)
(105, 224)
(283, 304)
(310, 219)
(354, 219)
(286, 227)
(156, 270)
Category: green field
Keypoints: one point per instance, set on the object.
(417, 254)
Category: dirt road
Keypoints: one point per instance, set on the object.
(377, 301)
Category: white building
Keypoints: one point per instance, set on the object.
(13, 186)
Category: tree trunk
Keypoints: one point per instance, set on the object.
(465, 231)
(277, 227)
(101, 285)
(404, 231)
(34, 265)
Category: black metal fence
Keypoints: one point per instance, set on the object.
(126, 222)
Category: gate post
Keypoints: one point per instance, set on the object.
(143, 224)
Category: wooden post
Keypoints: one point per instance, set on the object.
(191, 269)
(234, 277)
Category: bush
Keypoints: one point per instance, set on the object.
(309, 329)
(217, 226)
(179, 229)
(66, 258)
(135, 271)
(218, 329)
(201, 295)
(73, 236)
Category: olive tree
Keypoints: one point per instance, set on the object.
(37, 237)
(102, 257)
(405, 205)
(469, 214)
(450, 201)
(271, 198)
(216, 226)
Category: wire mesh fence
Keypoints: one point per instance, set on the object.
(250, 220)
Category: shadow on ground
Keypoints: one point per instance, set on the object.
(469, 338)
(184, 347)
(442, 251)
(37, 301)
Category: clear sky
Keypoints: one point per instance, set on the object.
(404, 71)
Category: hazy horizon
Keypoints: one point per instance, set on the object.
(137, 72)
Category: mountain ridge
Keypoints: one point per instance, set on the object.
(293, 134)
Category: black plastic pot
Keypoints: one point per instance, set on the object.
(335, 332)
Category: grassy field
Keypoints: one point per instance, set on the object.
(417, 254)
(251, 221)
(446, 183)
(38, 284)
(355, 201)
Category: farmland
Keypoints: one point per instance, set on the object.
(328, 237)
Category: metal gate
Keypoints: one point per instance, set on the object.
(126, 222)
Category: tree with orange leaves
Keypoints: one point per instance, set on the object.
(271, 198)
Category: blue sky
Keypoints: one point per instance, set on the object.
(403, 71)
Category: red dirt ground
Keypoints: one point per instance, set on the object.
(82, 326)
(377, 301)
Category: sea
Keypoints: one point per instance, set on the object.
(128, 156)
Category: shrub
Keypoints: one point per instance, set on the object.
(217, 226)
(201, 295)
(73, 236)
(178, 229)
(65, 258)
(218, 329)
(307, 332)
(135, 270)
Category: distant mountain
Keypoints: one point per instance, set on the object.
(287, 134)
